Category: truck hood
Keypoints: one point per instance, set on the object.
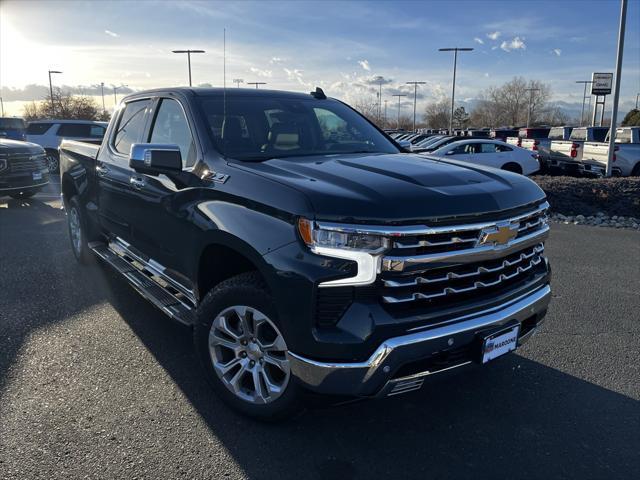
(396, 188)
(16, 146)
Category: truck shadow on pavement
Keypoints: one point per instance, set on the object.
(514, 419)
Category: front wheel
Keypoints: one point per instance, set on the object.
(53, 161)
(243, 350)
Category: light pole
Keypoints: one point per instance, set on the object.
(455, 51)
(115, 89)
(188, 52)
(53, 108)
(385, 113)
(102, 90)
(637, 94)
(380, 81)
(2, 106)
(238, 81)
(415, 97)
(256, 84)
(616, 88)
(530, 90)
(399, 95)
(584, 97)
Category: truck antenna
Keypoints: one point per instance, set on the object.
(224, 87)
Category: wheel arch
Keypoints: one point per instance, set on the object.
(512, 166)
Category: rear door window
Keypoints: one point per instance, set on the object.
(74, 130)
(38, 128)
(130, 126)
(97, 131)
(600, 134)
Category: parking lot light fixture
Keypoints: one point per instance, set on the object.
(415, 97)
(399, 95)
(189, 52)
(238, 81)
(256, 84)
(455, 51)
(53, 107)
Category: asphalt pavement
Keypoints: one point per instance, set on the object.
(96, 383)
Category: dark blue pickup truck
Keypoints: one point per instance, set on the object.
(306, 249)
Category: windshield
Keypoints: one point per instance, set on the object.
(12, 123)
(260, 128)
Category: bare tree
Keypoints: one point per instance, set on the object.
(64, 106)
(436, 114)
(368, 108)
(460, 117)
(509, 104)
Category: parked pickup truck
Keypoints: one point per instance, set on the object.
(304, 248)
(23, 169)
(542, 146)
(566, 154)
(528, 134)
(626, 155)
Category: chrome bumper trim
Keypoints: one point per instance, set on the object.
(368, 378)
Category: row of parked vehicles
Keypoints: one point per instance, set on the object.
(49, 134)
(569, 149)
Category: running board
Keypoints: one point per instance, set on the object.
(146, 284)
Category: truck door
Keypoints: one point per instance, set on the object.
(162, 231)
(117, 213)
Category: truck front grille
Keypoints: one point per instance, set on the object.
(465, 278)
(27, 163)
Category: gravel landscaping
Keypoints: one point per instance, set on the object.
(603, 202)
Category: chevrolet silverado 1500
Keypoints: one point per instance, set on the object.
(307, 251)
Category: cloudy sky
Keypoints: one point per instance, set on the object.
(298, 45)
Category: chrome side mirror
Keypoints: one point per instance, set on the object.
(155, 158)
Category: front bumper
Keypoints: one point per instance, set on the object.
(389, 369)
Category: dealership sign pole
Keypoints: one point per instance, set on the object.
(616, 92)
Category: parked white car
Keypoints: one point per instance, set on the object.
(49, 134)
(491, 153)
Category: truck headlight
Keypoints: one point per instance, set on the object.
(347, 242)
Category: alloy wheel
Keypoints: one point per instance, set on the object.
(249, 354)
(75, 230)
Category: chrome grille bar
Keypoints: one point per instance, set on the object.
(410, 297)
(423, 279)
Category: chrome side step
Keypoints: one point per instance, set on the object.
(147, 282)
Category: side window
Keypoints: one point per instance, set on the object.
(488, 148)
(503, 148)
(171, 126)
(38, 128)
(130, 126)
(74, 130)
(96, 131)
(461, 149)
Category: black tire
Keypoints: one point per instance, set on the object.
(53, 162)
(636, 170)
(247, 289)
(80, 249)
(23, 194)
(512, 167)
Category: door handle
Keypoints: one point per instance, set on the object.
(101, 170)
(137, 182)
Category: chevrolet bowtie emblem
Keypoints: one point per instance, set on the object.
(501, 234)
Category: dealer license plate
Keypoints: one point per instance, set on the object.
(500, 343)
(37, 175)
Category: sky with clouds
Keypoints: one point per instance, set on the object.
(295, 45)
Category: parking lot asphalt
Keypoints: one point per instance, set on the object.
(96, 383)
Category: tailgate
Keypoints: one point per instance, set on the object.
(595, 152)
(560, 149)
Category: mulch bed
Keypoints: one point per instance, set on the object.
(588, 196)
